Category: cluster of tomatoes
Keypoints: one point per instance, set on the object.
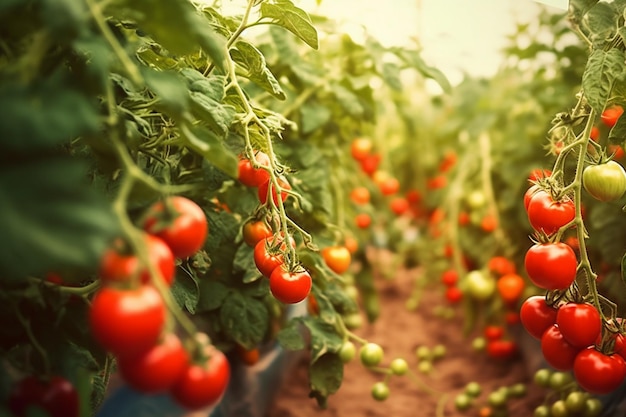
(570, 334)
(129, 313)
(257, 174)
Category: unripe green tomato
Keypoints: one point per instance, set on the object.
(425, 366)
(347, 352)
(542, 377)
(352, 291)
(423, 352)
(480, 286)
(371, 354)
(575, 401)
(497, 398)
(462, 402)
(559, 380)
(380, 391)
(559, 409)
(542, 411)
(353, 321)
(605, 182)
(399, 366)
(475, 199)
(438, 352)
(517, 390)
(473, 389)
(593, 407)
(479, 343)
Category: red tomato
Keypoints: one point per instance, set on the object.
(450, 278)
(448, 161)
(268, 256)
(337, 258)
(611, 114)
(500, 266)
(120, 267)
(617, 151)
(464, 218)
(598, 373)
(501, 349)
(360, 195)
(493, 332)
(389, 186)
(512, 318)
(351, 244)
(454, 295)
(157, 369)
(370, 163)
(360, 148)
(202, 385)
(413, 196)
(180, 222)
(594, 134)
(399, 205)
(248, 356)
(580, 324)
(363, 220)
(254, 177)
(437, 182)
(548, 215)
(254, 231)
(127, 322)
(551, 266)
(537, 316)
(290, 287)
(529, 193)
(56, 396)
(266, 186)
(510, 287)
(556, 351)
(489, 223)
(538, 173)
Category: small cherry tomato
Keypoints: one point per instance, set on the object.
(55, 395)
(551, 266)
(290, 287)
(337, 258)
(598, 373)
(267, 187)
(537, 316)
(363, 220)
(360, 195)
(251, 176)
(450, 278)
(557, 352)
(371, 354)
(255, 231)
(360, 148)
(580, 324)
(610, 115)
(500, 266)
(510, 287)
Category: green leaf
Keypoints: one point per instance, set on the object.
(52, 217)
(415, 60)
(207, 94)
(44, 115)
(253, 61)
(212, 294)
(391, 75)
(205, 143)
(347, 99)
(623, 268)
(602, 69)
(290, 337)
(325, 377)
(170, 90)
(313, 117)
(579, 8)
(244, 262)
(186, 292)
(324, 337)
(246, 319)
(292, 18)
(617, 134)
(601, 21)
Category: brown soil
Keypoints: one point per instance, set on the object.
(400, 331)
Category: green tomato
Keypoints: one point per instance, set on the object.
(438, 352)
(542, 377)
(479, 343)
(497, 398)
(605, 182)
(423, 353)
(475, 199)
(517, 390)
(559, 380)
(347, 352)
(462, 402)
(380, 391)
(473, 389)
(399, 366)
(480, 285)
(371, 354)
(593, 407)
(425, 366)
(353, 321)
(542, 411)
(559, 409)
(575, 401)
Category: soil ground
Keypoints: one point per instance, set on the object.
(400, 331)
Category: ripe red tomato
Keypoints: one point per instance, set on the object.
(616, 151)
(450, 278)
(510, 287)
(556, 350)
(493, 332)
(255, 231)
(537, 316)
(611, 114)
(413, 196)
(399, 205)
(290, 287)
(548, 215)
(263, 190)
(580, 324)
(501, 349)
(120, 267)
(529, 193)
(363, 220)
(436, 182)
(351, 244)
(389, 185)
(605, 182)
(127, 322)
(56, 396)
(254, 177)
(454, 295)
(180, 222)
(489, 223)
(360, 195)
(551, 266)
(370, 163)
(598, 373)
(448, 161)
(337, 258)
(248, 356)
(268, 255)
(595, 133)
(500, 266)
(360, 148)
(157, 369)
(202, 385)
(538, 173)
(464, 218)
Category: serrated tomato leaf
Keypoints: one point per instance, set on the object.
(325, 377)
(284, 13)
(603, 68)
(324, 337)
(245, 319)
